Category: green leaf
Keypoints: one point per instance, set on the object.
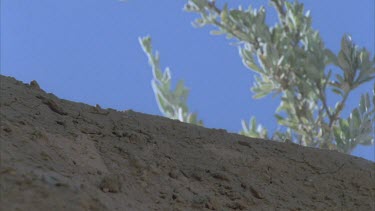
(224, 14)
(248, 60)
(330, 57)
(253, 123)
(355, 120)
(216, 32)
(279, 117)
(338, 91)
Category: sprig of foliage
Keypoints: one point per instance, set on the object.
(292, 62)
(173, 104)
(358, 127)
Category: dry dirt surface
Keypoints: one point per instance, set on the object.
(61, 155)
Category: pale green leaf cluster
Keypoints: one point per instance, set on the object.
(358, 127)
(253, 129)
(172, 103)
(291, 62)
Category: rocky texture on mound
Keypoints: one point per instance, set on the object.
(62, 155)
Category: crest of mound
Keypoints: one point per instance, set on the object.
(61, 155)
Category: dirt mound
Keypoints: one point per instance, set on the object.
(62, 155)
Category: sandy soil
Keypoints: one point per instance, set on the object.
(62, 155)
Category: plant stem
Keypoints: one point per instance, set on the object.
(338, 110)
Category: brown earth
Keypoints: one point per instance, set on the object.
(61, 155)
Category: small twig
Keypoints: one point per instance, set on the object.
(279, 7)
(337, 112)
(281, 12)
(212, 5)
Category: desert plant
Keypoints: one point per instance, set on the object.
(291, 62)
(172, 104)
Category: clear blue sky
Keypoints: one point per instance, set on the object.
(88, 51)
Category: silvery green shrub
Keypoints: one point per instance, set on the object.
(290, 61)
